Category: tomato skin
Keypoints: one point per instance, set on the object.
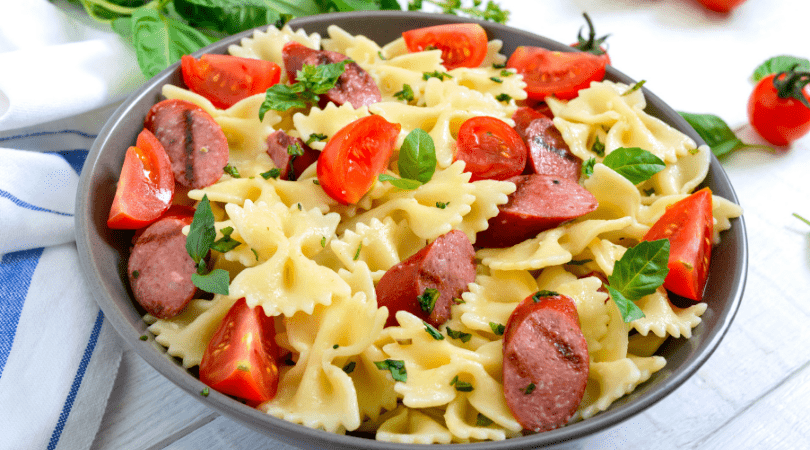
(145, 187)
(721, 6)
(462, 44)
(490, 148)
(240, 359)
(226, 79)
(354, 156)
(689, 226)
(779, 120)
(561, 74)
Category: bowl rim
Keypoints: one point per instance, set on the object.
(155, 355)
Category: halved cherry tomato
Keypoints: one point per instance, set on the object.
(490, 148)
(225, 79)
(240, 359)
(688, 224)
(779, 107)
(462, 44)
(354, 156)
(145, 187)
(561, 74)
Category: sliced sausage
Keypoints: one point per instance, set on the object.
(548, 152)
(194, 142)
(545, 362)
(291, 165)
(160, 268)
(355, 86)
(539, 203)
(447, 265)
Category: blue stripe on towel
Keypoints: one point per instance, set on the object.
(48, 133)
(77, 381)
(16, 270)
(74, 157)
(26, 205)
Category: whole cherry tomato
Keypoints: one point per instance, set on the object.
(593, 44)
(226, 79)
(779, 107)
(354, 156)
(462, 45)
(145, 187)
(561, 74)
(689, 226)
(490, 148)
(721, 6)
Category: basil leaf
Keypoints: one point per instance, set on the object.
(160, 40)
(321, 78)
(460, 335)
(587, 167)
(717, 134)
(781, 63)
(417, 156)
(633, 163)
(427, 300)
(312, 81)
(229, 16)
(629, 310)
(401, 183)
(216, 281)
(396, 367)
(226, 243)
(201, 233)
(482, 421)
(497, 328)
(639, 272)
(355, 5)
(433, 332)
(281, 97)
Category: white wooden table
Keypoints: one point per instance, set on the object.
(754, 392)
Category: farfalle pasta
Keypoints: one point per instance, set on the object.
(312, 262)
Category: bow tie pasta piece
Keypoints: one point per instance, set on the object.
(551, 247)
(186, 335)
(663, 318)
(268, 45)
(601, 108)
(413, 426)
(467, 423)
(359, 49)
(379, 245)
(681, 177)
(493, 297)
(327, 121)
(609, 381)
(286, 279)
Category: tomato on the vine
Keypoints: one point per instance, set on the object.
(721, 6)
(145, 187)
(490, 148)
(226, 79)
(462, 44)
(354, 156)
(562, 74)
(689, 226)
(240, 359)
(779, 107)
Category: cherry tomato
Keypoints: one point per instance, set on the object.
(145, 187)
(490, 148)
(462, 44)
(592, 44)
(240, 359)
(779, 107)
(688, 224)
(722, 6)
(354, 156)
(225, 79)
(561, 74)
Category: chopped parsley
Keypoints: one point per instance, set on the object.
(405, 94)
(461, 386)
(529, 389)
(349, 368)
(503, 97)
(460, 335)
(232, 171)
(272, 173)
(315, 137)
(497, 328)
(544, 293)
(433, 332)
(427, 301)
(396, 367)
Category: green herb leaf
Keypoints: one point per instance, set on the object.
(272, 173)
(401, 183)
(349, 368)
(428, 299)
(529, 389)
(497, 328)
(598, 147)
(229, 16)
(396, 367)
(633, 163)
(405, 94)
(579, 262)
(315, 137)
(781, 63)
(460, 335)
(634, 87)
(503, 97)
(161, 40)
(496, 79)
(417, 156)
(640, 271)
(205, 391)
(226, 243)
(201, 233)
(717, 134)
(482, 421)
(587, 167)
(232, 171)
(432, 331)
(312, 81)
(436, 74)
(544, 293)
(461, 386)
(442, 205)
(216, 281)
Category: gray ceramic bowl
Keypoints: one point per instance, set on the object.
(103, 252)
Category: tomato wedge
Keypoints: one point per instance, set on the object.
(354, 156)
(462, 44)
(689, 226)
(226, 79)
(490, 148)
(145, 187)
(561, 74)
(240, 359)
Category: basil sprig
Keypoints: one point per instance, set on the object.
(639, 272)
(201, 236)
(417, 161)
(311, 82)
(717, 134)
(778, 64)
(635, 164)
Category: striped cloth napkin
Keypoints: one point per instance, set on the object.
(60, 78)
